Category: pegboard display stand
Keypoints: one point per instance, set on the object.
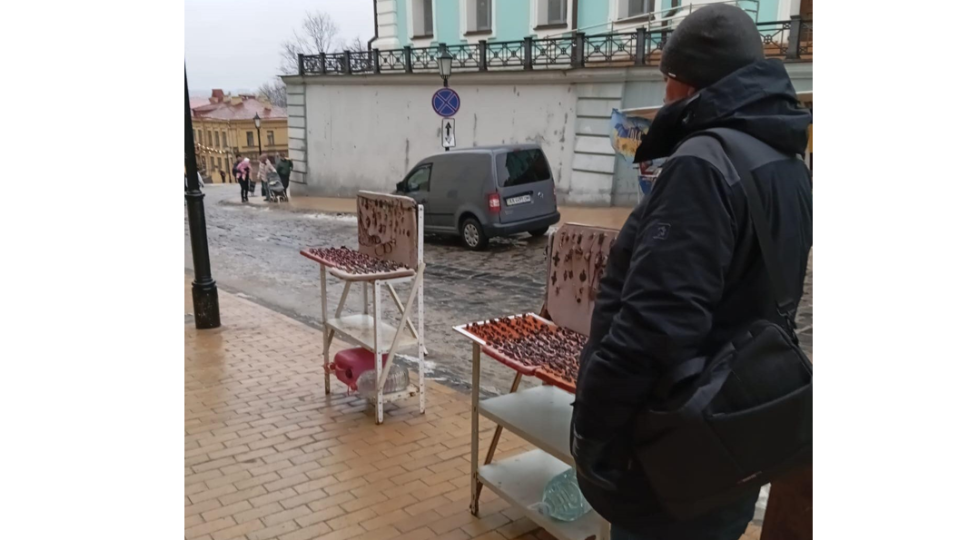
(540, 415)
(369, 330)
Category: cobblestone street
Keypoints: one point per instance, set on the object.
(255, 252)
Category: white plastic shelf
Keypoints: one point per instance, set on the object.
(520, 481)
(541, 415)
(358, 330)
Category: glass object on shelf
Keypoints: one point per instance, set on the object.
(562, 499)
(398, 379)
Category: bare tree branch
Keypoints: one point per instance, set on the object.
(361, 62)
(318, 34)
(275, 91)
(354, 45)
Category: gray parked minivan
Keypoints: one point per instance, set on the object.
(483, 192)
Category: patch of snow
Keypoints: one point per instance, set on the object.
(349, 218)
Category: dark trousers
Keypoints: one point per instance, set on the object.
(727, 523)
(243, 189)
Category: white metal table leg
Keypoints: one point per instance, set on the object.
(377, 346)
(421, 349)
(399, 304)
(328, 334)
(366, 301)
(323, 320)
(475, 433)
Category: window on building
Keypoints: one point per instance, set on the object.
(428, 17)
(639, 7)
(216, 139)
(556, 11)
(220, 163)
(480, 15)
(199, 138)
(552, 12)
(422, 18)
(270, 138)
(223, 137)
(203, 161)
(209, 139)
(484, 14)
(249, 139)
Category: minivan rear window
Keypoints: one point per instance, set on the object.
(520, 167)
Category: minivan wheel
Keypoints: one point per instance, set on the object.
(539, 232)
(472, 236)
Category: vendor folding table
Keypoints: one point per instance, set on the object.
(576, 258)
(390, 229)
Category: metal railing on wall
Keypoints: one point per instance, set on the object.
(790, 40)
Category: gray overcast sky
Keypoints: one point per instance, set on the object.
(235, 44)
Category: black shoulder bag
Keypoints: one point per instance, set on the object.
(731, 423)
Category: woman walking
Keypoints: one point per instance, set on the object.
(243, 178)
(266, 168)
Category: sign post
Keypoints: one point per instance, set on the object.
(446, 103)
(448, 133)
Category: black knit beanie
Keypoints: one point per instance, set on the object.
(711, 43)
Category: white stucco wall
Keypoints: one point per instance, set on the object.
(365, 132)
(368, 136)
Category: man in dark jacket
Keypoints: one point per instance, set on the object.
(284, 168)
(686, 275)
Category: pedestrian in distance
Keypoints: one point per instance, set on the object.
(243, 178)
(237, 160)
(688, 277)
(249, 181)
(223, 177)
(284, 168)
(266, 168)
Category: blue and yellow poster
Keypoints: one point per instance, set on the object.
(626, 133)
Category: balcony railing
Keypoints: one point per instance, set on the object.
(790, 40)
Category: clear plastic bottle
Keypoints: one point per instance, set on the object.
(562, 498)
(398, 379)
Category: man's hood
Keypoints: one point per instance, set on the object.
(758, 99)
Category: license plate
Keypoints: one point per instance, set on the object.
(518, 200)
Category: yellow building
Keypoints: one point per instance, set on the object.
(224, 127)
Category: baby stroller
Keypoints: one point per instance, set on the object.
(275, 190)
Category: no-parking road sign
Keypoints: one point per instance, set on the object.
(445, 102)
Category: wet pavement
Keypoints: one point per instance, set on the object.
(254, 251)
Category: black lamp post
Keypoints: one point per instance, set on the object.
(206, 303)
(446, 65)
(256, 122)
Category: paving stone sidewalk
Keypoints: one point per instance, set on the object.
(268, 455)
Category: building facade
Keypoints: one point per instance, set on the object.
(224, 127)
(423, 23)
(359, 120)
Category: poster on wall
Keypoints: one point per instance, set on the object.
(626, 132)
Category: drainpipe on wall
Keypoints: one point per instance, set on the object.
(376, 26)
